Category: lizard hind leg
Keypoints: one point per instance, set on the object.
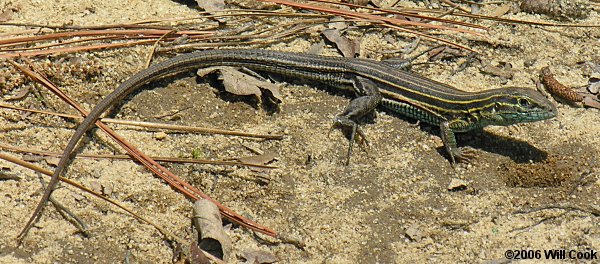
(366, 102)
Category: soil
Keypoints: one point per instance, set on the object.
(533, 187)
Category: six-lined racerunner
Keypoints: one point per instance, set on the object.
(375, 83)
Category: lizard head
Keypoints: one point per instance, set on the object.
(518, 105)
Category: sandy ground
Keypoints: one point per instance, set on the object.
(391, 205)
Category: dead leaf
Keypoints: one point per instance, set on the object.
(160, 135)
(32, 158)
(262, 159)
(316, 48)
(240, 83)
(196, 255)
(497, 71)
(337, 23)
(212, 236)
(4, 176)
(348, 48)
(591, 102)
(384, 3)
(108, 190)
(501, 10)
(211, 5)
(96, 186)
(21, 93)
(444, 52)
(594, 87)
(52, 160)
(6, 15)
(414, 233)
(457, 185)
(258, 256)
(357, 2)
(408, 18)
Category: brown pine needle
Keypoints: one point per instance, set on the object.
(106, 32)
(499, 19)
(407, 13)
(153, 125)
(346, 13)
(164, 159)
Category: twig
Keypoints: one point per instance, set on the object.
(164, 159)
(592, 211)
(172, 127)
(151, 53)
(541, 221)
(81, 225)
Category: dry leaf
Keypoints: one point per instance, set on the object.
(108, 190)
(357, 2)
(594, 87)
(384, 3)
(348, 48)
(316, 48)
(32, 158)
(96, 186)
(414, 233)
(590, 102)
(52, 160)
(6, 15)
(262, 159)
(21, 93)
(258, 256)
(4, 176)
(240, 83)
(496, 71)
(457, 185)
(444, 52)
(501, 10)
(211, 5)
(196, 255)
(212, 236)
(338, 23)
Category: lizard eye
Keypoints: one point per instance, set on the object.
(523, 102)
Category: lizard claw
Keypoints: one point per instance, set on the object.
(463, 155)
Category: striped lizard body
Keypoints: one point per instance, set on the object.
(375, 83)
